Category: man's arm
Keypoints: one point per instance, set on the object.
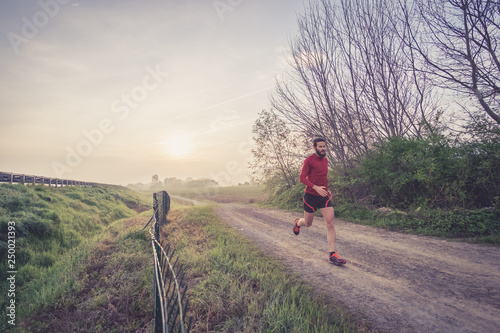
(303, 174)
(322, 190)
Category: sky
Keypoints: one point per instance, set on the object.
(116, 91)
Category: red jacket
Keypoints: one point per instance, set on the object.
(314, 172)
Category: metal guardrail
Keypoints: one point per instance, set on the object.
(170, 291)
(10, 177)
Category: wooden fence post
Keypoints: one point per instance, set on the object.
(167, 315)
(157, 309)
(163, 207)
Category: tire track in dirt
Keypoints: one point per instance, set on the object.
(397, 282)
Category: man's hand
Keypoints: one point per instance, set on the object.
(322, 190)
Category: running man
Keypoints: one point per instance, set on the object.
(314, 175)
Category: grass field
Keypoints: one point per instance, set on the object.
(102, 281)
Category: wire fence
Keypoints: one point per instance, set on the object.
(170, 290)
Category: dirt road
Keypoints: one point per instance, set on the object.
(397, 282)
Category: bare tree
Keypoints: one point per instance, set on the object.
(278, 153)
(351, 79)
(398, 98)
(460, 42)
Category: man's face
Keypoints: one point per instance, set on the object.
(320, 149)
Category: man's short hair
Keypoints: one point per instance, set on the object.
(315, 142)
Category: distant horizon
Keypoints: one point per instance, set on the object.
(186, 179)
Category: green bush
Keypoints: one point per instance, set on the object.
(458, 223)
(433, 173)
(433, 186)
(290, 198)
(353, 212)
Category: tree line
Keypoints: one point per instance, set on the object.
(173, 183)
(406, 95)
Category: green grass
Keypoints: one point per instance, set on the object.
(55, 283)
(53, 228)
(103, 286)
(238, 289)
(480, 226)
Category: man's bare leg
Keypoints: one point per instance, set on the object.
(307, 220)
(331, 235)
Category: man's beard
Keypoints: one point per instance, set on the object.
(321, 154)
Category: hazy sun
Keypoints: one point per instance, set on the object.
(178, 146)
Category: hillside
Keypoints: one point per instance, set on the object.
(46, 230)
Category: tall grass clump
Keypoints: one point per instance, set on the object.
(290, 199)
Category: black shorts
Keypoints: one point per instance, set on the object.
(314, 202)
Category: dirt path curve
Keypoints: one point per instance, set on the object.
(398, 282)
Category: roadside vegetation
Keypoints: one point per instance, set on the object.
(104, 285)
(49, 222)
(429, 187)
(102, 280)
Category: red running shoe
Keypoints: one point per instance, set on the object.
(296, 228)
(334, 259)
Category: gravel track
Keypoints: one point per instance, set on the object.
(395, 282)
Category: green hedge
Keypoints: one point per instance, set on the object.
(433, 173)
